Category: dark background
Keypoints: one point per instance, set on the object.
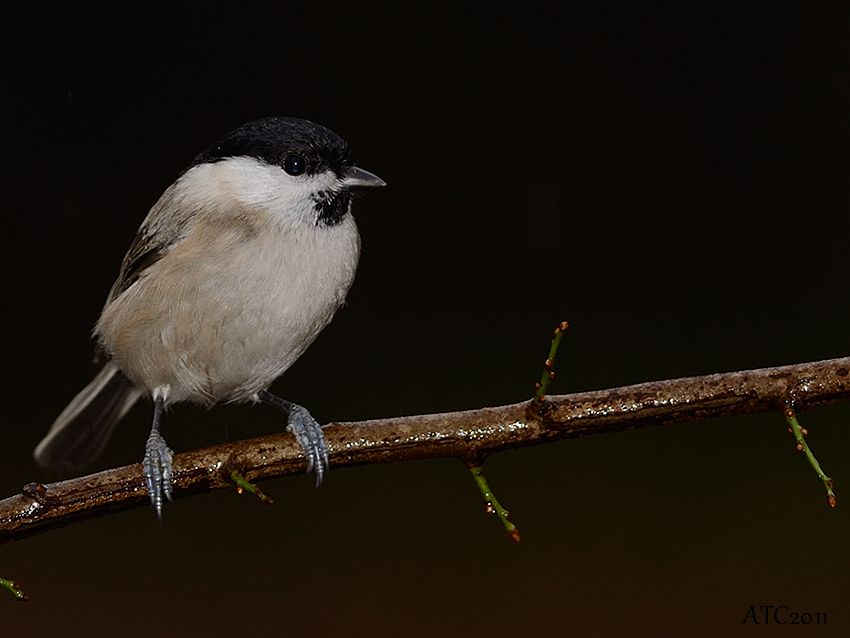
(674, 182)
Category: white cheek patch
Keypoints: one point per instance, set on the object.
(252, 183)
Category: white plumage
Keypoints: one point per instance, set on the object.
(241, 295)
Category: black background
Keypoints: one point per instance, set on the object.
(673, 181)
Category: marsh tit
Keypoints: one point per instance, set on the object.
(235, 270)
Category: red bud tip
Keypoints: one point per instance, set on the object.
(790, 430)
(548, 365)
(831, 500)
(514, 534)
(799, 447)
(804, 431)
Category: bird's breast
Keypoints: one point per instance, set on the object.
(230, 307)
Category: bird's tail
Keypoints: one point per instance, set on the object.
(83, 428)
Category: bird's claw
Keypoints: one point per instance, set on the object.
(157, 470)
(309, 435)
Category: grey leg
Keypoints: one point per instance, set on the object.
(307, 432)
(157, 462)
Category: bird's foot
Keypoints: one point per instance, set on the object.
(157, 470)
(309, 435)
(307, 432)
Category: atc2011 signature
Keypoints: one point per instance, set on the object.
(782, 615)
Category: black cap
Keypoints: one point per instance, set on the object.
(272, 139)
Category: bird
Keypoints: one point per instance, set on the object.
(232, 274)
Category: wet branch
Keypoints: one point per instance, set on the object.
(469, 436)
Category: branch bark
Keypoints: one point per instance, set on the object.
(468, 435)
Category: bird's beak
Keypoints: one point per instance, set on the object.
(354, 178)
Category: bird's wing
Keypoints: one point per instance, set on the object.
(147, 249)
(163, 228)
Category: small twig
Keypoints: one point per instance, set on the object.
(242, 485)
(548, 375)
(13, 589)
(800, 434)
(491, 503)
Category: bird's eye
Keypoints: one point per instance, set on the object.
(294, 164)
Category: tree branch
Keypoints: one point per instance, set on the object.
(468, 435)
